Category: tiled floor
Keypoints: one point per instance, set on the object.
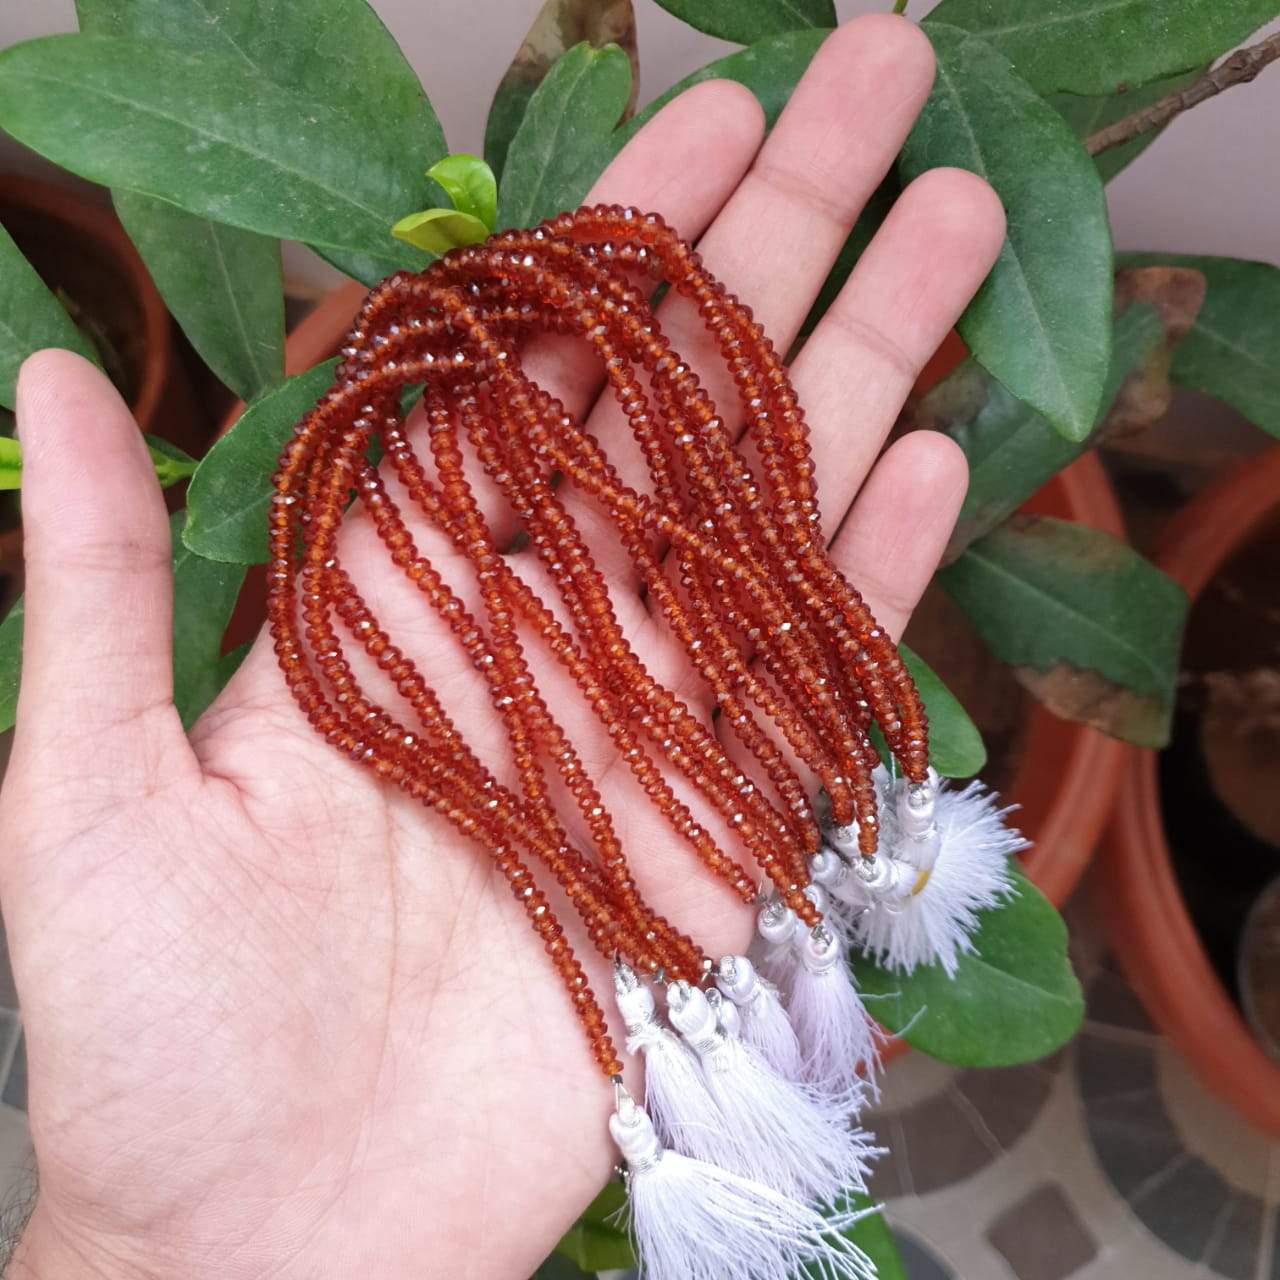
(1105, 1162)
(1108, 1162)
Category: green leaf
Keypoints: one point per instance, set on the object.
(206, 132)
(335, 51)
(1086, 115)
(31, 318)
(439, 230)
(1010, 448)
(204, 595)
(558, 1267)
(746, 21)
(1088, 625)
(595, 1242)
(10, 664)
(171, 463)
(470, 184)
(563, 141)
(871, 1234)
(771, 69)
(10, 463)
(955, 745)
(223, 286)
(559, 25)
(231, 489)
(1100, 46)
(1041, 322)
(230, 662)
(1233, 349)
(1014, 999)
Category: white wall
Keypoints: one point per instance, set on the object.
(1211, 184)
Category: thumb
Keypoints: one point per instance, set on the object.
(97, 649)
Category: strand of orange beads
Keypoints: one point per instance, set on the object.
(508, 253)
(587, 466)
(771, 860)
(645, 333)
(779, 434)
(683, 960)
(471, 349)
(768, 856)
(657, 585)
(358, 728)
(762, 746)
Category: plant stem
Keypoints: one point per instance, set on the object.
(899, 6)
(1239, 68)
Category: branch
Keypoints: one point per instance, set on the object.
(1239, 68)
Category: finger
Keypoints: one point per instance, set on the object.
(97, 653)
(776, 239)
(778, 236)
(906, 292)
(897, 530)
(683, 164)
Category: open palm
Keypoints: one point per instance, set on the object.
(281, 1020)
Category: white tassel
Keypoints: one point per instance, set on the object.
(772, 950)
(765, 1024)
(951, 852)
(838, 1040)
(784, 1138)
(692, 1221)
(839, 878)
(834, 921)
(676, 1095)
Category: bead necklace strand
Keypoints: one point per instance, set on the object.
(732, 565)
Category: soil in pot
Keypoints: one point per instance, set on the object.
(1220, 777)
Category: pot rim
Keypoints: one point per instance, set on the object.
(1142, 904)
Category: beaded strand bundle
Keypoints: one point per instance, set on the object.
(746, 1132)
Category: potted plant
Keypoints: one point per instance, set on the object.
(316, 130)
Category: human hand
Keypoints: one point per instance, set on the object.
(281, 1020)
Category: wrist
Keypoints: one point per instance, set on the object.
(42, 1253)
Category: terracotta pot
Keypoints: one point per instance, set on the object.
(1070, 774)
(1137, 892)
(1067, 781)
(79, 247)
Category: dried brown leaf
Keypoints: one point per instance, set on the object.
(1090, 698)
(1177, 294)
(559, 26)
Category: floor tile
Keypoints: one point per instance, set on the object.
(1042, 1236)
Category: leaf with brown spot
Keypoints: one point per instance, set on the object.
(1230, 352)
(1089, 626)
(1177, 294)
(1091, 699)
(560, 25)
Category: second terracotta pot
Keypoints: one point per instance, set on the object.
(1138, 894)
